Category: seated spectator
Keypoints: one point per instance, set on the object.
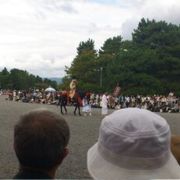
(133, 144)
(40, 143)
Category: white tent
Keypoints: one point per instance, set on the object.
(50, 89)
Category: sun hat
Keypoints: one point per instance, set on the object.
(132, 144)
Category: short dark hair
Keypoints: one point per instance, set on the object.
(40, 137)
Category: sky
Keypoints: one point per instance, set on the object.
(41, 36)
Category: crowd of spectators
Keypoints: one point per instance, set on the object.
(32, 96)
(155, 103)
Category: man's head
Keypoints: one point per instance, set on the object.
(40, 139)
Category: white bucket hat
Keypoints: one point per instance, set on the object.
(133, 144)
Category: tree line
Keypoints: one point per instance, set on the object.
(147, 64)
(22, 80)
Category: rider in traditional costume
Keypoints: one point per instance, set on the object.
(74, 95)
(73, 85)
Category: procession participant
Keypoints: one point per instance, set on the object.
(117, 90)
(63, 101)
(104, 104)
(73, 86)
(86, 106)
(77, 103)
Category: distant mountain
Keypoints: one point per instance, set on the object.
(58, 80)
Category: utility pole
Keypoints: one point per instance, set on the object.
(101, 69)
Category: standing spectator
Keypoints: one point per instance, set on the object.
(133, 144)
(40, 143)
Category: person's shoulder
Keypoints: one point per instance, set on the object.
(31, 175)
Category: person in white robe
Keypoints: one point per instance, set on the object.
(104, 104)
(86, 107)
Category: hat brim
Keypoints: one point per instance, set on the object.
(101, 169)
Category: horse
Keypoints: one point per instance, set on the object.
(62, 101)
(75, 99)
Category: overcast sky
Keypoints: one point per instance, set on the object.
(41, 36)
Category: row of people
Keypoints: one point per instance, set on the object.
(154, 103)
(32, 96)
(133, 144)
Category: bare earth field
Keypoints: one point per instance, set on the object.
(84, 133)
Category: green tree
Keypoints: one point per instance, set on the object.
(156, 35)
(83, 67)
(111, 45)
(19, 79)
(22, 80)
(4, 79)
(148, 64)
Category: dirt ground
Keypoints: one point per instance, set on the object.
(84, 133)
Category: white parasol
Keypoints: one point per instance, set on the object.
(50, 89)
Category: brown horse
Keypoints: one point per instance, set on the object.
(74, 98)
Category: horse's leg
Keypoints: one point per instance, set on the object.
(61, 106)
(79, 109)
(65, 109)
(75, 110)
